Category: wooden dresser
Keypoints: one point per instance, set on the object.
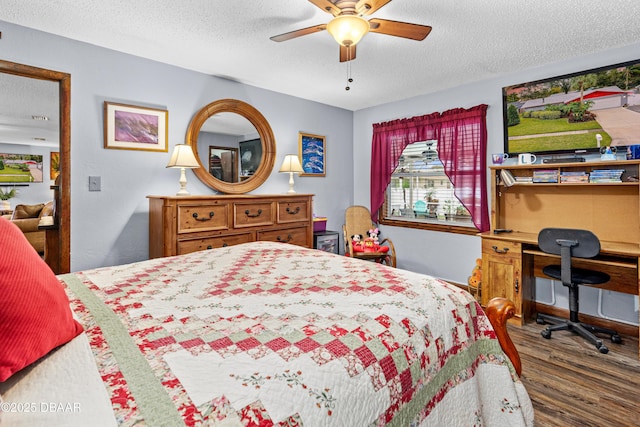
(184, 224)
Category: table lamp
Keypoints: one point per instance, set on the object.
(183, 158)
(292, 165)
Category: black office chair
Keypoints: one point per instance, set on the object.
(570, 243)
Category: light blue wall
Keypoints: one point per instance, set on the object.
(452, 257)
(111, 226)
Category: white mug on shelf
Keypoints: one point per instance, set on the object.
(526, 159)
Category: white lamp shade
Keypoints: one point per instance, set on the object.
(348, 29)
(182, 157)
(291, 163)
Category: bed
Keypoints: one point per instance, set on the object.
(257, 334)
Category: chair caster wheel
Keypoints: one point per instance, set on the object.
(603, 349)
(616, 339)
(540, 321)
(546, 334)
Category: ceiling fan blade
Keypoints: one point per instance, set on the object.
(298, 33)
(347, 53)
(399, 29)
(367, 7)
(327, 6)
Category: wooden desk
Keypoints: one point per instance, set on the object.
(511, 261)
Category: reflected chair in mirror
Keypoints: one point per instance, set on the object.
(358, 222)
(570, 244)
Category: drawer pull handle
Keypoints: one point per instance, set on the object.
(195, 216)
(255, 215)
(225, 244)
(294, 211)
(289, 238)
(517, 288)
(498, 251)
(209, 247)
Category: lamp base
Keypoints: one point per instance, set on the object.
(183, 184)
(291, 190)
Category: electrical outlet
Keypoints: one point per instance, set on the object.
(94, 183)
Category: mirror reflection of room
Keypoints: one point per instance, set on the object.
(29, 153)
(223, 163)
(230, 146)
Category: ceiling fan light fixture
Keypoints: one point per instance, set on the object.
(347, 30)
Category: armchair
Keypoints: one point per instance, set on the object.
(27, 218)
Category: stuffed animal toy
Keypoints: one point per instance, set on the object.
(372, 243)
(374, 233)
(475, 280)
(357, 243)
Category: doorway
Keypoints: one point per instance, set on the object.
(58, 242)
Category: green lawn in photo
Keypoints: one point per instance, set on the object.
(530, 126)
(559, 142)
(568, 141)
(11, 174)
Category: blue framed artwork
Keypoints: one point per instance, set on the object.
(312, 153)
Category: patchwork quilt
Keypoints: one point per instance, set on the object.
(270, 334)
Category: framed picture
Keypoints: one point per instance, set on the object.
(54, 164)
(312, 152)
(223, 163)
(250, 156)
(21, 168)
(127, 127)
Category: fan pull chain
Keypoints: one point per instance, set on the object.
(349, 79)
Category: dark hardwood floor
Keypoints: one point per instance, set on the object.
(572, 384)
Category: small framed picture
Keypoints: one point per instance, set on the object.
(54, 164)
(250, 156)
(312, 152)
(128, 127)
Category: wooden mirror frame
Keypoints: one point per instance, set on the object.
(267, 141)
(58, 240)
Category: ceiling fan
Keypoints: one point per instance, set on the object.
(348, 25)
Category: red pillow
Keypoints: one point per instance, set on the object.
(35, 316)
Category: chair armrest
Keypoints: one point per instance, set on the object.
(27, 225)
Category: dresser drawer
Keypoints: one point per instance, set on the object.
(501, 248)
(253, 214)
(192, 218)
(295, 236)
(193, 245)
(293, 212)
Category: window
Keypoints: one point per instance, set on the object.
(461, 146)
(421, 195)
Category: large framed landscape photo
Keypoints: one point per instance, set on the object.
(580, 112)
(129, 127)
(21, 168)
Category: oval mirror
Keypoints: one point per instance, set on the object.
(234, 146)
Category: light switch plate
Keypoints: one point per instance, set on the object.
(94, 183)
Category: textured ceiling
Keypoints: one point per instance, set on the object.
(471, 40)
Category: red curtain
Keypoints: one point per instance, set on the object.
(462, 147)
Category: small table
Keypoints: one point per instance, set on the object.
(51, 246)
(328, 241)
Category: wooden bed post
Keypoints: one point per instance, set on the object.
(499, 310)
